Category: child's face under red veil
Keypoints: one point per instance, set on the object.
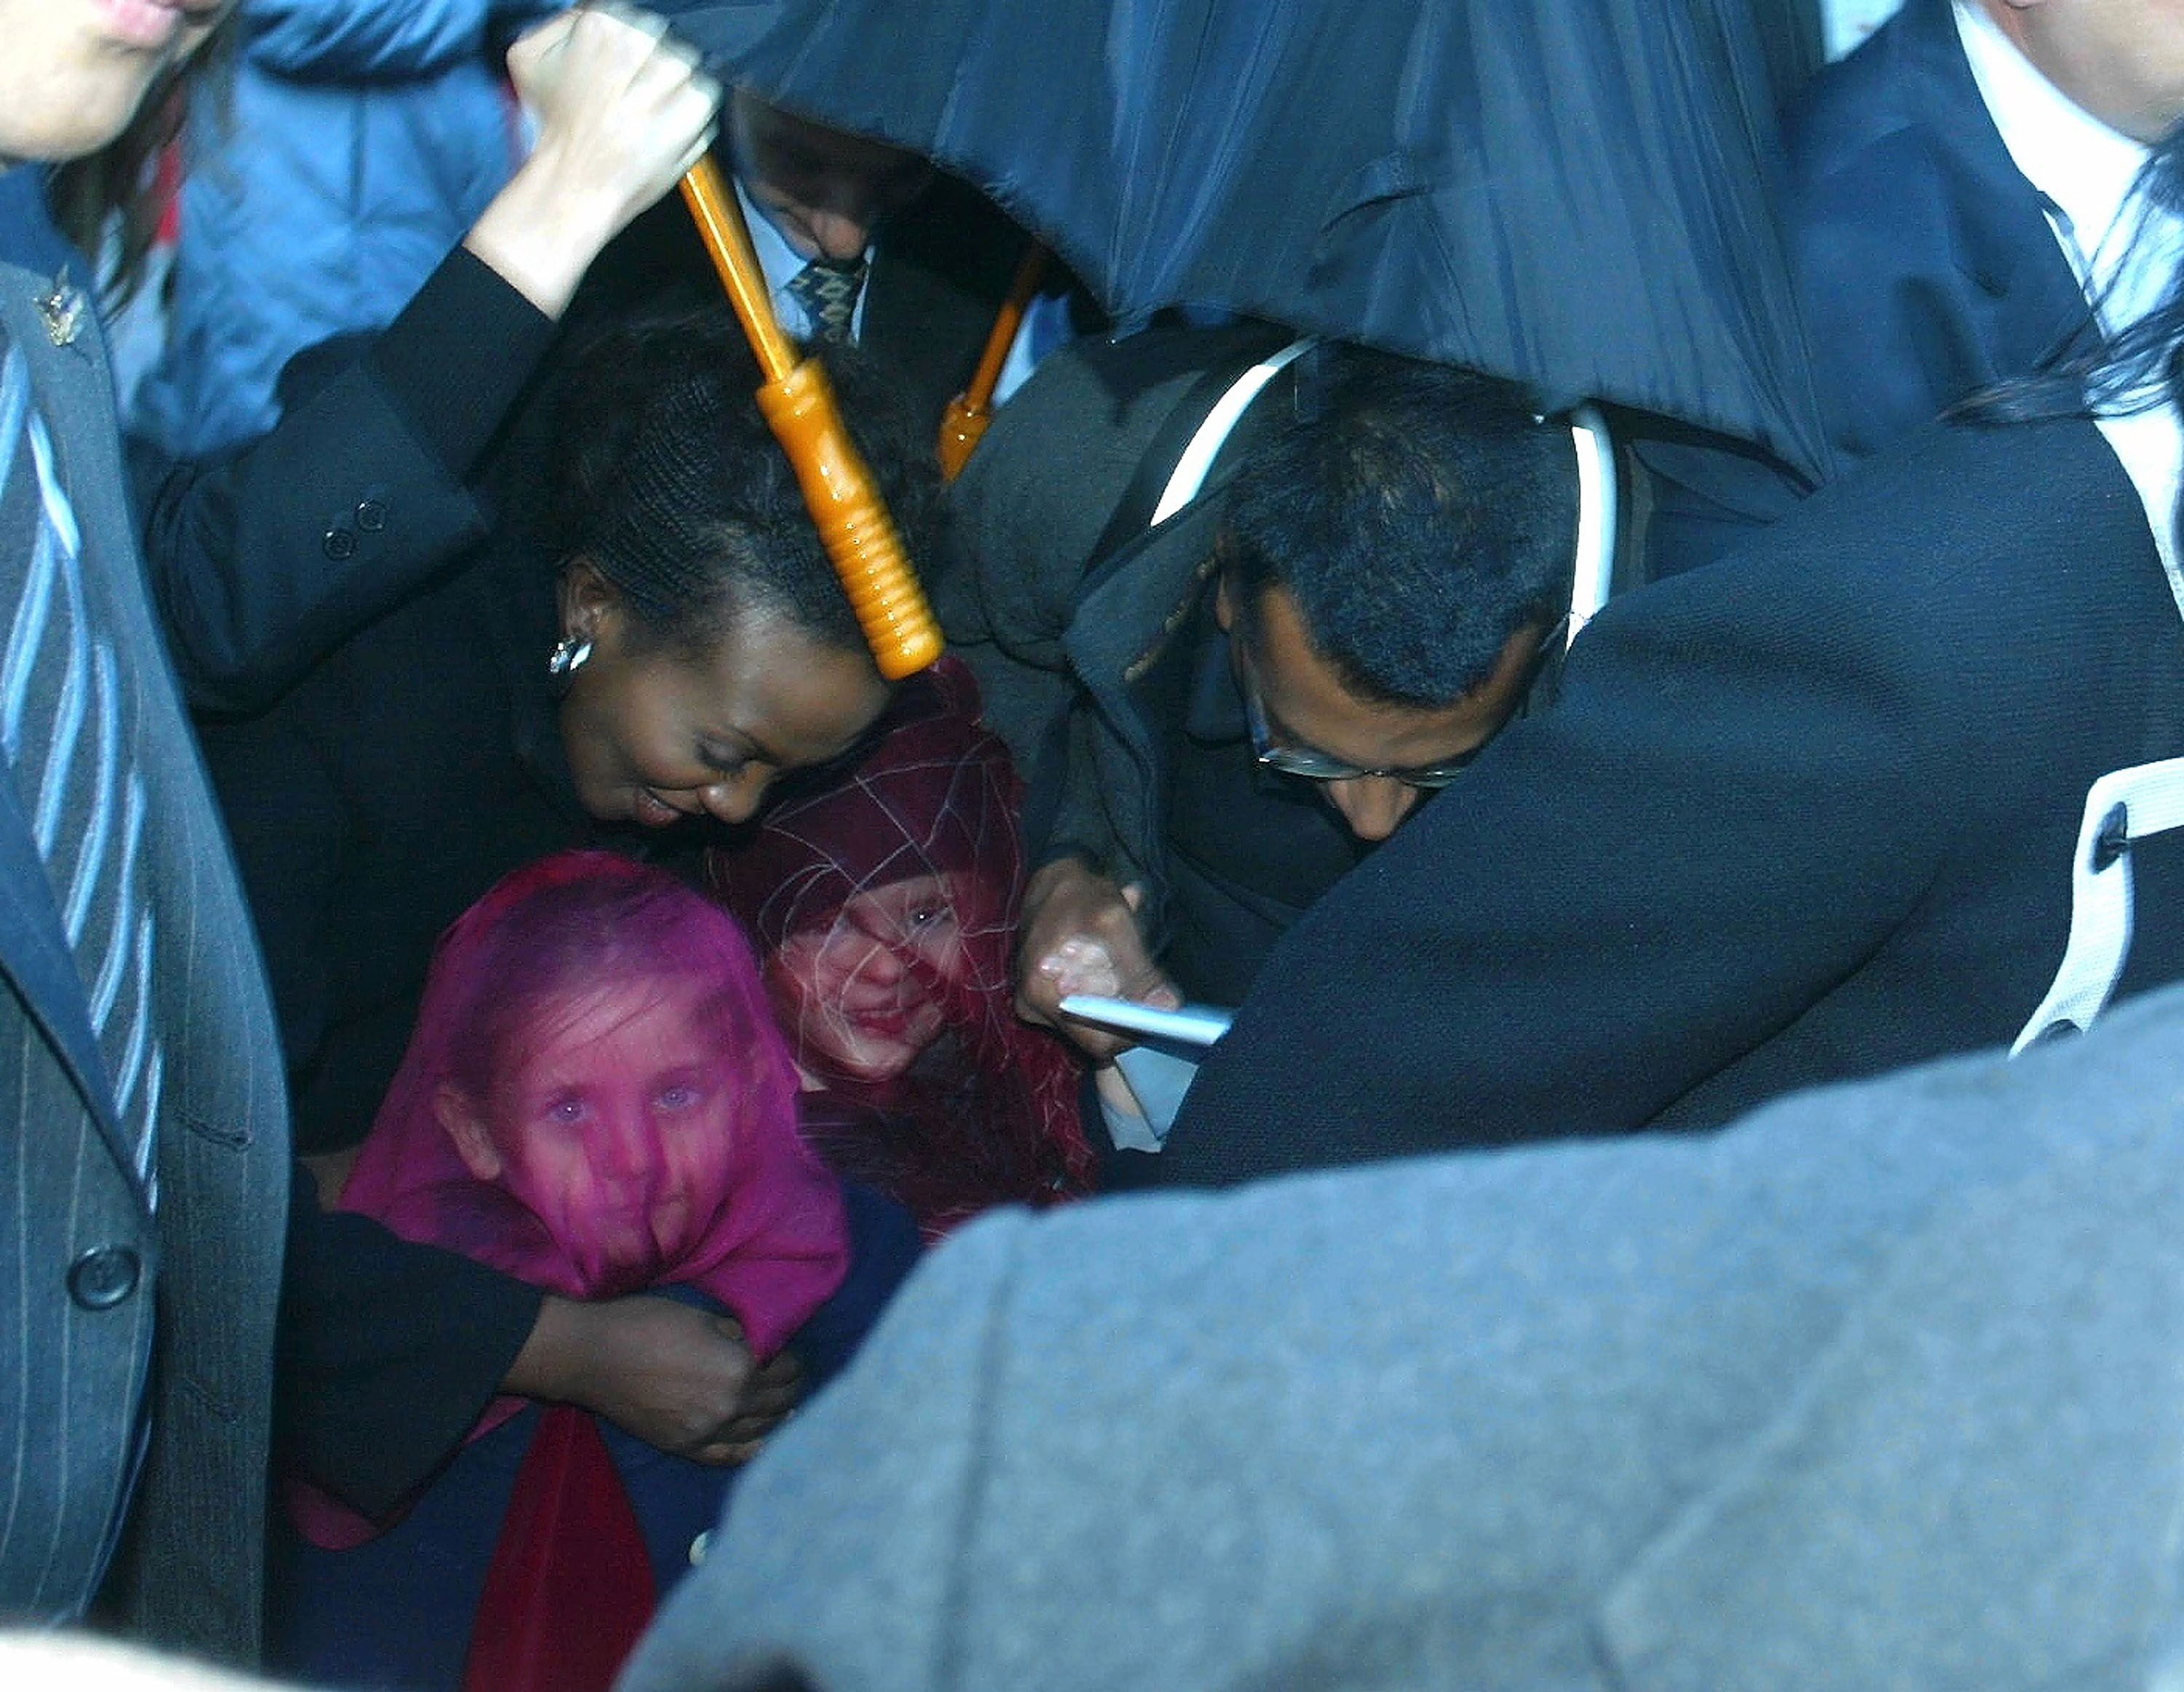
(885, 910)
(865, 989)
(594, 1045)
(884, 907)
(596, 1099)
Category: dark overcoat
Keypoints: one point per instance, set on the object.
(1809, 813)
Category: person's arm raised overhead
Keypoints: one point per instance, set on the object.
(265, 560)
(623, 111)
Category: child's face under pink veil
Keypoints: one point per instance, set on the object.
(863, 992)
(614, 1123)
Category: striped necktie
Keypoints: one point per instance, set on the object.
(64, 703)
(829, 293)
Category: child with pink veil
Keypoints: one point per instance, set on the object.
(596, 1099)
(884, 907)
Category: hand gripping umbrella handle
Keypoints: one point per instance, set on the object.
(798, 401)
(972, 410)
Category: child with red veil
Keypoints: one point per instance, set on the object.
(884, 907)
(596, 1099)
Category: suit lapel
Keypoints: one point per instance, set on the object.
(2005, 249)
(35, 955)
(35, 958)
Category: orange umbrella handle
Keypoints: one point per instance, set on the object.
(961, 429)
(861, 537)
(719, 220)
(969, 413)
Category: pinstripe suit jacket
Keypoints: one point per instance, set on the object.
(133, 1446)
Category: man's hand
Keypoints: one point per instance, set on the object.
(1081, 935)
(677, 1378)
(623, 110)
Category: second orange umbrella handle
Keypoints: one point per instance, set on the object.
(859, 536)
(963, 426)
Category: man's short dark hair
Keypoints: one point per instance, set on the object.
(1418, 516)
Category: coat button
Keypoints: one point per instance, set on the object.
(338, 544)
(103, 1275)
(371, 516)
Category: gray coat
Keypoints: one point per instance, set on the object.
(82, 1337)
(1883, 1386)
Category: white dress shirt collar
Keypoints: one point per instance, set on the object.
(780, 261)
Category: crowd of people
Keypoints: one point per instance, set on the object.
(549, 1137)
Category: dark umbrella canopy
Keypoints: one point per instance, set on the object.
(1567, 193)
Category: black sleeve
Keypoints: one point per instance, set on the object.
(264, 559)
(290, 826)
(389, 1351)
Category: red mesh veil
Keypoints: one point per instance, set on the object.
(988, 1113)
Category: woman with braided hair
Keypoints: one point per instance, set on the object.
(704, 645)
(631, 663)
(654, 637)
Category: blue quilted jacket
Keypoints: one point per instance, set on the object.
(362, 139)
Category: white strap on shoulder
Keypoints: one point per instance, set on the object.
(2122, 807)
(1596, 516)
(1197, 461)
(1596, 492)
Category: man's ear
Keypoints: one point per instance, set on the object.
(587, 601)
(1224, 602)
(467, 1129)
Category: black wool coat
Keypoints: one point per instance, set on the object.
(1807, 814)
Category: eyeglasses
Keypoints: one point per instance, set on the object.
(1315, 766)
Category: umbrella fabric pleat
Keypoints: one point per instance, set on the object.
(1569, 193)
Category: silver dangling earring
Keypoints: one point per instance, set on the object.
(568, 655)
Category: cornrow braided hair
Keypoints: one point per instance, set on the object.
(666, 477)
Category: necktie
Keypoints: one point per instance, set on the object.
(829, 293)
(64, 700)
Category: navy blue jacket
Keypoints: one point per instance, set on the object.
(1806, 814)
(356, 146)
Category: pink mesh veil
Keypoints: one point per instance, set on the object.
(683, 1164)
(987, 1112)
(599, 1030)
